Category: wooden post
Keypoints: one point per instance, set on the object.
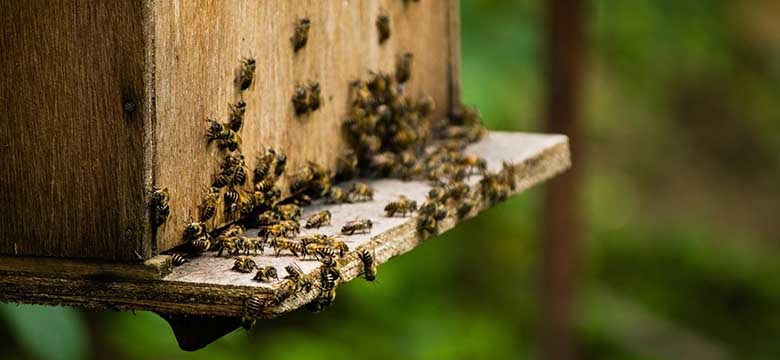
(561, 223)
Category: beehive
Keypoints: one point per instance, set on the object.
(105, 101)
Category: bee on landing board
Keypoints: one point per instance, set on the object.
(266, 274)
(369, 264)
(403, 206)
(244, 264)
(318, 219)
(360, 225)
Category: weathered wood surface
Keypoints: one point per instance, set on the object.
(198, 47)
(207, 286)
(71, 163)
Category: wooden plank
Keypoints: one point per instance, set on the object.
(71, 162)
(198, 45)
(154, 268)
(207, 286)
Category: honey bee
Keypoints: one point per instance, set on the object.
(216, 130)
(232, 196)
(231, 245)
(268, 217)
(336, 195)
(297, 275)
(320, 251)
(509, 174)
(266, 274)
(159, 206)
(331, 271)
(246, 73)
(301, 35)
(279, 165)
(233, 230)
(178, 259)
(293, 247)
(237, 112)
(323, 301)
(403, 69)
(402, 206)
(252, 244)
(318, 219)
(300, 100)
(434, 210)
(383, 28)
(361, 192)
(360, 225)
(290, 228)
(341, 247)
(208, 207)
(230, 141)
(493, 188)
(201, 244)
(252, 309)
(244, 264)
(425, 106)
(289, 212)
(314, 97)
(194, 230)
(369, 265)
(284, 291)
(347, 165)
(465, 208)
(427, 224)
(473, 162)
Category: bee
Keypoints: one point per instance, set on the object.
(284, 291)
(289, 212)
(361, 192)
(318, 219)
(434, 210)
(268, 217)
(231, 245)
(403, 69)
(232, 196)
(453, 190)
(464, 209)
(425, 106)
(159, 206)
(402, 206)
(279, 165)
(237, 112)
(252, 244)
(293, 247)
(300, 100)
(493, 188)
(233, 230)
(246, 73)
(331, 271)
(208, 207)
(320, 251)
(231, 141)
(266, 274)
(335, 195)
(427, 224)
(201, 244)
(302, 180)
(290, 228)
(369, 265)
(244, 264)
(383, 28)
(323, 301)
(178, 259)
(301, 35)
(341, 247)
(360, 225)
(194, 230)
(347, 165)
(265, 185)
(314, 99)
(473, 162)
(216, 130)
(297, 275)
(509, 174)
(252, 309)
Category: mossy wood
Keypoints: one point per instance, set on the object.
(207, 286)
(103, 101)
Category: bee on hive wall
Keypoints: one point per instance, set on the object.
(383, 28)
(301, 35)
(159, 207)
(246, 74)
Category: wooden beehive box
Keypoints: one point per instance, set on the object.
(104, 101)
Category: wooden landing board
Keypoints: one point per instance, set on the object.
(207, 286)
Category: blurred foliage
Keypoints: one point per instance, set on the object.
(680, 199)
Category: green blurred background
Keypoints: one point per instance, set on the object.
(682, 113)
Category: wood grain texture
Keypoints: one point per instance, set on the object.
(198, 45)
(70, 158)
(206, 286)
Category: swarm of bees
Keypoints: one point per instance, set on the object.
(391, 135)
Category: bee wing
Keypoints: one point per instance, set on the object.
(296, 268)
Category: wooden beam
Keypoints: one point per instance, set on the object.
(207, 286)
(561, 215)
